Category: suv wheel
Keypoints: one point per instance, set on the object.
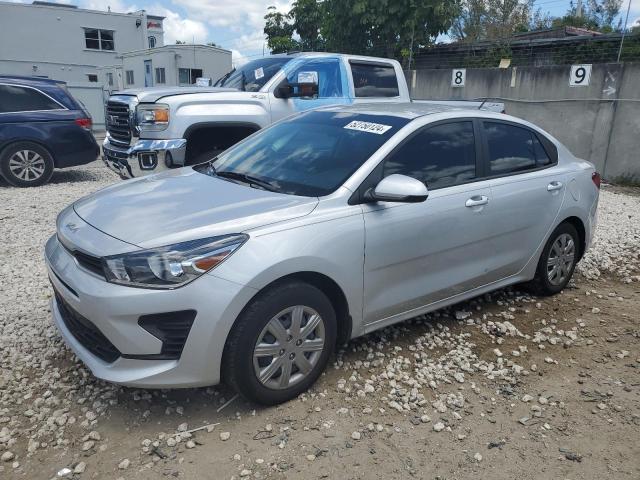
(26, 164)
(280, 344)
(558, 260)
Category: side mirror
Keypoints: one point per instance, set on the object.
(306, 87)
(399, 188)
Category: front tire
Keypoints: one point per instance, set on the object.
(26, 164)
(281, 343)
(557, 261)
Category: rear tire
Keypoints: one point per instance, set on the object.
(270, 357)
(26, 164)
(557, 261)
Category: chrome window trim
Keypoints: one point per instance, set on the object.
(62, 107)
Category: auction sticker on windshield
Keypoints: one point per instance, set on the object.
(258, 73)
(368, 127)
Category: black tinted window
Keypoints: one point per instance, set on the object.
(14, 98)
(372, 80)
(440, 156)
(513, 149)
(310, 155)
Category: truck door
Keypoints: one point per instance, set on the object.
(332, 87)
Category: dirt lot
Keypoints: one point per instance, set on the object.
(505, 386)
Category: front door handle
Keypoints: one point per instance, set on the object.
(476, 201)
(554, 186)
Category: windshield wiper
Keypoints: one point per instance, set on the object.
(249, 179)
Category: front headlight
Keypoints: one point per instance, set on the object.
(152, 116)
(171, 266)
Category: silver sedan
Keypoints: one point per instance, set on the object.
(252, 267)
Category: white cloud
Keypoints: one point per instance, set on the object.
(178, 28)
(237, 58)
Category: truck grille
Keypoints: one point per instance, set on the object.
(118, 124)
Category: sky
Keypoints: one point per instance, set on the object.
(237, 25)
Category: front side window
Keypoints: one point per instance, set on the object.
(374, 80)
(440, 156)
(14, 98)
(513, 149)
(329, 76)
(311, 155)
(129, 77)
(160, 75)
(96, 39)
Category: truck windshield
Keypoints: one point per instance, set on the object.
(252, 76)
(310, 155)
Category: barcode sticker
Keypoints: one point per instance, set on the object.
(369, 127)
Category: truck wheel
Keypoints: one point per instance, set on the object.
(280, 344)
(26, 164)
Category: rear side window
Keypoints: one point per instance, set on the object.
(513, 149)
(440, 156)
(374, 80)
(14, 98)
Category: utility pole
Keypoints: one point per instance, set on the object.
(579, 9)
(624, 30)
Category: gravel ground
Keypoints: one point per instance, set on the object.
(454, 373)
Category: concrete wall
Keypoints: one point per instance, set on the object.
(50, 41)
(599, 122)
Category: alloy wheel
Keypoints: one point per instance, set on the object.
(561, 258)
(27, 165)
(289, 347)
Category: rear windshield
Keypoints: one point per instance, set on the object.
(310, 155)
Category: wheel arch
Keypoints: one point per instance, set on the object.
(13, 141)
(578, 224)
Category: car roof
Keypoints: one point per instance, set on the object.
(409, 110)
(29, 81)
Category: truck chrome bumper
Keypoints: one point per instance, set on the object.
(145, 157)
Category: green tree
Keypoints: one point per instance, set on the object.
(597, 15)
(306, 17)
(279, 29)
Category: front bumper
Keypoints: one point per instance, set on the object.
(144, 157)
(115, 310)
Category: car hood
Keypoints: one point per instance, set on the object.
(183, 204)
(147, 95)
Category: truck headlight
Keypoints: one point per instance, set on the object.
(172, 266)
(152, 116)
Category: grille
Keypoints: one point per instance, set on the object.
(172, 328)
(86, 332)
(91, 263)
(118, 122)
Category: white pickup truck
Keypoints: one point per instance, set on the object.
(153, 129)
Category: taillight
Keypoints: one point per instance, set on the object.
(595, 177)
(84, 123)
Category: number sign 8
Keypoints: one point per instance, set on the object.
(458, 76)
(580, 75)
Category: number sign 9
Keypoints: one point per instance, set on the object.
(458, 76)
(580, 75)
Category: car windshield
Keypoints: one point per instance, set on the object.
(310, 155)
(252, 76)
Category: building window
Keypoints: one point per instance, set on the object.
(187, 76)
(160, 75)
(91, 77)
(95, 39)
(110, 79)
(129, 74)
(152, 42)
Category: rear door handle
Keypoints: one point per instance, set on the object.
(477, 201)
(554, 186)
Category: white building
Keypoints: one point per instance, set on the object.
(98, 52)
(169, 65)
(68, 43)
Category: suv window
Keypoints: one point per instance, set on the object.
(14, 98)
(374, 80)
(329, 76)
(513, 149)
(440, 156)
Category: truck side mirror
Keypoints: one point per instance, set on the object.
(306, 87)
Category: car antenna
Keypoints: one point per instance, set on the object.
(484, 100)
